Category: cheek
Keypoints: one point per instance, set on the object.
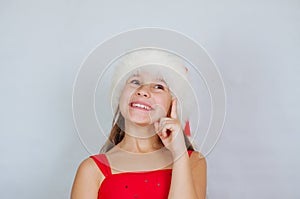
(125, 95)
(125, 98)
(166, 103)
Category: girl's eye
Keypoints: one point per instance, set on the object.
(135, 81)
(159, 86)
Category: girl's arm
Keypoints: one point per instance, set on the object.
(87, 181)
(189, 174)
(189, 177)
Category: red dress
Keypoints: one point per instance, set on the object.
(143, 185)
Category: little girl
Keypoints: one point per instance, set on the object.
(147, 154)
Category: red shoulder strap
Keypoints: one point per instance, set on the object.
(190, 152)
(102, 163)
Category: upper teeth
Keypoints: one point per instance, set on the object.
(141, 106)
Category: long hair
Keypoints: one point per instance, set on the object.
(117, 134)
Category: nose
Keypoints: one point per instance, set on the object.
(143, 91)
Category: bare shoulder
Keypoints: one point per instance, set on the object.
(87, 180)
(88, 166)
(197, 160)
(198, 168)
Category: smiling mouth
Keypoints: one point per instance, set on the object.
(141, 106)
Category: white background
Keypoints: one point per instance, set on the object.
(255, 44)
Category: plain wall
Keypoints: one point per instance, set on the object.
(255, 45)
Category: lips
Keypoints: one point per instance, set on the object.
(141, 106)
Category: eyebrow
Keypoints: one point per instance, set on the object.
(159, 78)
(135, 74)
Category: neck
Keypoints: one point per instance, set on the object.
(140, 145)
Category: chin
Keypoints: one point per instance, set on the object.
(141, 122)
(143, 119)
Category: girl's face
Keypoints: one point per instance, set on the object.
(145, 99)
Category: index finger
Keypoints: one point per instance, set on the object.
(174, 109)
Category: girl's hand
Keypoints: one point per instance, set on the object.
(170, 132)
